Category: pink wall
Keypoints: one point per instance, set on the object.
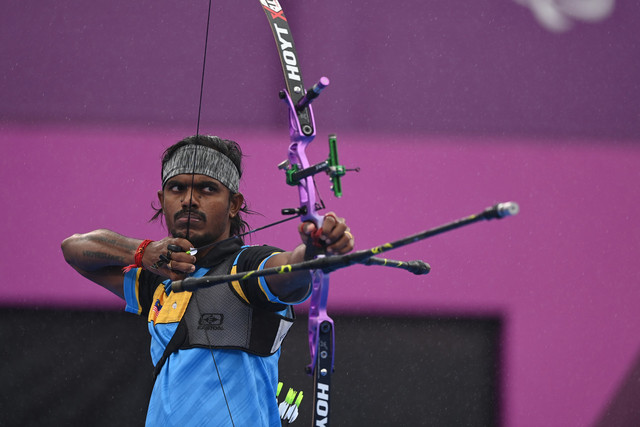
(562, 273)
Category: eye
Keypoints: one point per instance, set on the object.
(175, 187)
(209, 187)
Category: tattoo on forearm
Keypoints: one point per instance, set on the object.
(116, 243)
(104, 256)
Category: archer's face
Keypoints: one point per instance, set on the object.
(204, 211)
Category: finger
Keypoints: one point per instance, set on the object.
(183, 257)
(331, 215)
(180, 267)
(343, 245)
(335, 233)
(178, 245)
(333, 226)
(173, 268)
(330, 220)
(349, 236)
(157, 250)
(310, 234)
(176, 251)
(306, 228)
(175, 248)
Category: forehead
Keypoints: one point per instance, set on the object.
(186, 178)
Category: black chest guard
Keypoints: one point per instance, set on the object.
(218, 317)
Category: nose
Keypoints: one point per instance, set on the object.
(189, 201)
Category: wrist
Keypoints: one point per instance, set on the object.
(137, 257)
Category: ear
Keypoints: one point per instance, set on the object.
(235, 204)
(161, 199)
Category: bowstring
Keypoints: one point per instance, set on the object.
(195, 151)
(193, 172)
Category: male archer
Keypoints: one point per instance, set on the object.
(215, 350)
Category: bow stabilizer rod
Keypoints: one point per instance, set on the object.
(416, 267)
(332, 263)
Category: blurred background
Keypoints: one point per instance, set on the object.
(447, 107)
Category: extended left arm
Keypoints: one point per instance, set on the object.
(336, 239)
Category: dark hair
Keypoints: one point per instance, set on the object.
(229, 148)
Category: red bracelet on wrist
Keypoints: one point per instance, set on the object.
(138, 256)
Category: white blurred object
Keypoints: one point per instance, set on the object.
(558, 15)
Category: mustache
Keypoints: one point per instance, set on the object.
(190, 213)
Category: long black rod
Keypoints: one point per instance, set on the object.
(333, 263)
(416, 267)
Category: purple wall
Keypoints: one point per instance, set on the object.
(447, 107)
(448, 66)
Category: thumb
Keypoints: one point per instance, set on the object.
(311, 235)
(306, 229)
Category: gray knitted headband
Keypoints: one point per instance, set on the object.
(198, 159)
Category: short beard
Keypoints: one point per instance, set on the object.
(196, 241)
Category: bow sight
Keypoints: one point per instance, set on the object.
(331, 166)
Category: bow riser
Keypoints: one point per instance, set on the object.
(301, 133)
(321, 327)
(298, 157)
